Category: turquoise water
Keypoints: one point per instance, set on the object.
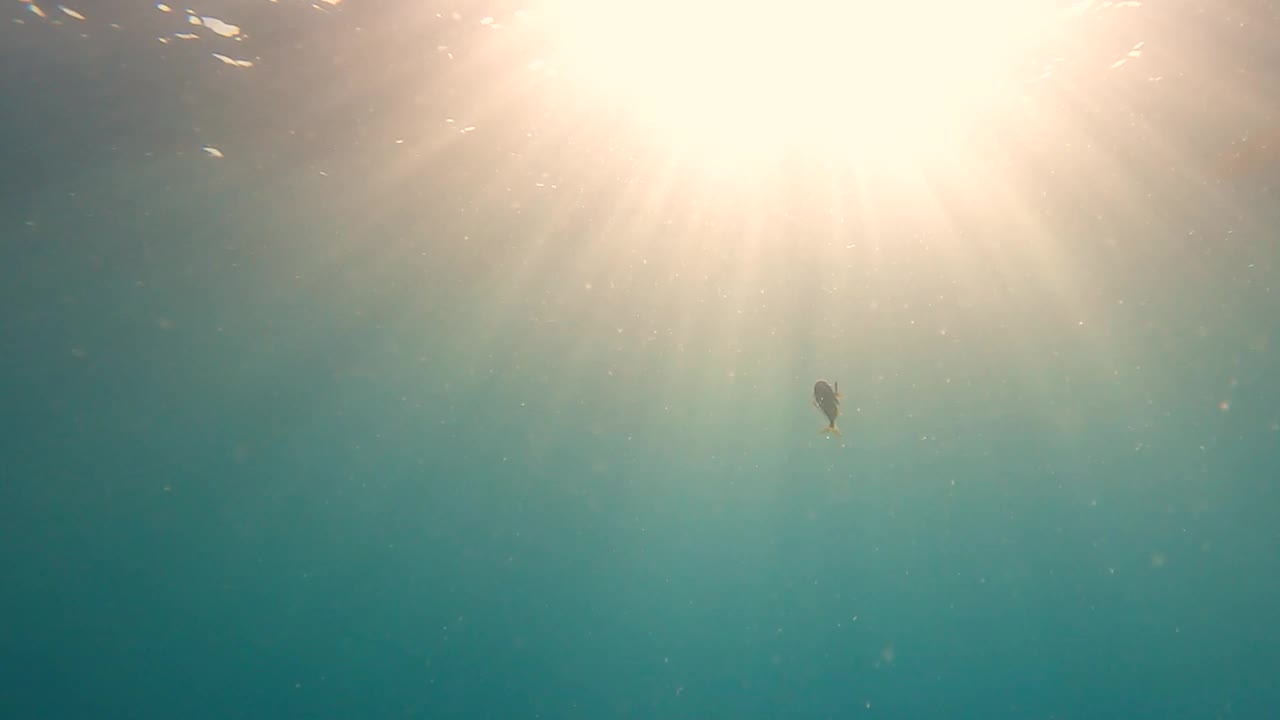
(374, 417)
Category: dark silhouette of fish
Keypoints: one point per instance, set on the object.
(827, 399)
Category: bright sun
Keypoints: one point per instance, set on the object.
(744, 80)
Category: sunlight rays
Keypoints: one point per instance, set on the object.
(678, 181)
(740, 82)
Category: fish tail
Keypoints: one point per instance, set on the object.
(831, 430)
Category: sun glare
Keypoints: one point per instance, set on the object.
(732, 80)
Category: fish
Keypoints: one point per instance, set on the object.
(827, 399)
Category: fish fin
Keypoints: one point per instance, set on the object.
(839, 396)
(831, 429)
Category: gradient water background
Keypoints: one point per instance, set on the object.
(336, 426)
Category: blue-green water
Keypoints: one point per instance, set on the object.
(374, 417)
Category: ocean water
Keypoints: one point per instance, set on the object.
(368, 360)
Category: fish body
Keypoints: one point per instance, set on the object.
(827, 399)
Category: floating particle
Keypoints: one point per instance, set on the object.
(35, 10)
(1135, 52)
(225, 29)
(70, 13)
(163, 8)
(233, 62)
(212, 151)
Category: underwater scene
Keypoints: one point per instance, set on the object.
(625, 360)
